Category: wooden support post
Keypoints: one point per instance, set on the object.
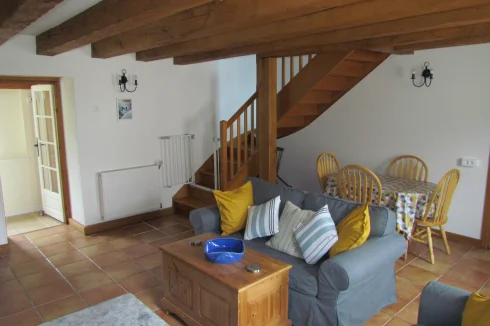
(267, 117)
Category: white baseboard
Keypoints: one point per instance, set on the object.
(22, 211)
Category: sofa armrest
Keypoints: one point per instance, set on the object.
(442, 305)
(205, 220)
(353, 267)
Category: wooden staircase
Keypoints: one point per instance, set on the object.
(318, 83)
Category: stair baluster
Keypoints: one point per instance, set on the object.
(232, 164)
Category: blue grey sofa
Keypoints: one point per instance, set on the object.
(345, 290)
(441, 305)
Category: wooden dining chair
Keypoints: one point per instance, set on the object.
(357, 183)
(326, 164)
(409, 167)
(441, 200)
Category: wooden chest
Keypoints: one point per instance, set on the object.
(204, 293)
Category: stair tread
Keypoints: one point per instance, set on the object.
(208, 172)
(191, 202)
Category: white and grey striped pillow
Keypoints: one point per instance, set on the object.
(291, 217)
(316, 237)
(263, 220)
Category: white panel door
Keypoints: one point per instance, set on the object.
(47, 150)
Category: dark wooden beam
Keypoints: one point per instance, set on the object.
(444, 43)
(228, 16)
(15, 15)
(267, 117)
(108, 18)
(375, 36)
(358, 14)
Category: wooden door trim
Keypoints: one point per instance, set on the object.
(485, 230)
(23, 82)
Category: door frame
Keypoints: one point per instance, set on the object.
(22, 82)
(485, 229)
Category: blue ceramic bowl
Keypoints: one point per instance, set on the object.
(224, 250)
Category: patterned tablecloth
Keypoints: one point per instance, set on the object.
(407, 198)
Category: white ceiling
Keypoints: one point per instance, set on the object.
(62, 12)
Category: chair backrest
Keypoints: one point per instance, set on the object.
(442, 197)
(408, 167)
(326, 164)
(359, 184)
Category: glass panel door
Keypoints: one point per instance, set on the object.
(47, 149)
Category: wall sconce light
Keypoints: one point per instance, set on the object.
(427, 74)
(124, 80)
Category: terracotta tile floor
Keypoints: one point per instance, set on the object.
(53, 272)
(467, 268)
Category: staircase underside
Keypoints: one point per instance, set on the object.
(324, 81)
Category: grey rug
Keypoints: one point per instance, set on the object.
(125, 310)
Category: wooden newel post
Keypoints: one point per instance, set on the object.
(267, 117)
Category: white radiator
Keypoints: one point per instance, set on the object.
(128, 192)
(177, 160)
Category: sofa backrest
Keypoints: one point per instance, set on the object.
(265, 191)
(383, 220)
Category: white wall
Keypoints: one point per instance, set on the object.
(236, 82)
(19, 170)
(170, 100)
(385, 116)
(12, 135)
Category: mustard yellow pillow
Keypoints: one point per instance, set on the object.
(233, 207)
(477, 311)
(353, 230)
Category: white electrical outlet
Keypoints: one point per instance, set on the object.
(469, 162)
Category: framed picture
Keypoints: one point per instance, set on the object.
(124, 109)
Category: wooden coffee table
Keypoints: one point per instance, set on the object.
(204, 293)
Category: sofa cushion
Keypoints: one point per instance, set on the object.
(302, 277)
(263, 220)
(264, 191)
(383, 220)
(316, 237)
(284, 241)
(233, 207)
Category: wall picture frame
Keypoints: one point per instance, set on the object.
(124, 109)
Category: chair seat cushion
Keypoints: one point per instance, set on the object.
(303, 278)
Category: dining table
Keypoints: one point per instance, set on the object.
(408, 199)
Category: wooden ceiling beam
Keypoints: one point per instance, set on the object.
(430, 27)
(108, 18)
(358, 14)
(228, 16)
(15, 15)
(478, 39)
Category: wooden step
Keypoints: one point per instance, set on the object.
(335, 83)
(185, 205)
(205, 178)
(304, 110)
(283, 132)
(291, 121)
(352, 68)
(203, 195)
(316, 97)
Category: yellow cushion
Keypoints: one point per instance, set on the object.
(353, 230)
(477, 311)
(233, 207)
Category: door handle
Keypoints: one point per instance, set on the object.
(37, 146)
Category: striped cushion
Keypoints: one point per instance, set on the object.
(291, 217)
(316, 237)
(263, 220)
